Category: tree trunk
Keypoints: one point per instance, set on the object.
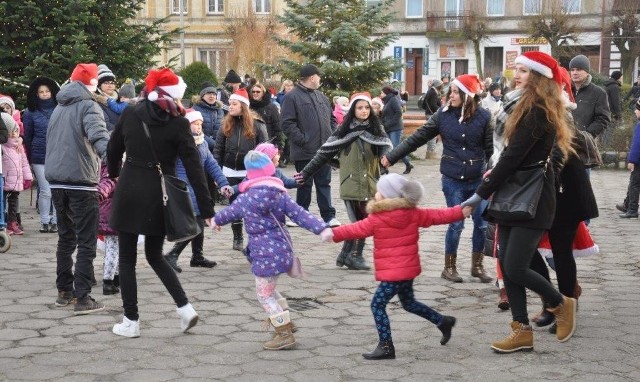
(476, 49)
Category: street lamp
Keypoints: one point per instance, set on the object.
(180, 9)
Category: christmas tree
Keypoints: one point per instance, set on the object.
(343, 38)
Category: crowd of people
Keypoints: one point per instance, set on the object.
(97, 155)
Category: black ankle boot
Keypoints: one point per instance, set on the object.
(174, 253)
(236, 227)
(108, 287)
(384, 350)
(408, 168)
(197, 260)
(347, 247)
(116, 280)
(445, 327)
(545, 318)
(355, 260)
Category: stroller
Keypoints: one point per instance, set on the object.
(5, 238)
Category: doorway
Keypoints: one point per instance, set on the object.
(413, 70)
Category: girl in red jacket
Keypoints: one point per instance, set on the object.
(393, 222)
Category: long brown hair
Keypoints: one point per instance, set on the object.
(545, 93)
(470, 103)
(247, 118)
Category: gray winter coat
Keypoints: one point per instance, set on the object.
(77, 138)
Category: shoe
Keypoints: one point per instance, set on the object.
(197, 260)
(172, 259)
(65, 298)
(503, 300)
(384, 350)
(14, 229)
(53, 228)
(127, 328)
(116, 280)
(621, 207)
(545, 318)
(629, 215)
(87, 305)
(445, 327)
(283, 338)
(553, 328)
(477, 269)
(450, 271)
(109, 287)
(408, 169)
(188, 317)
(565, 318)
(520, 339)
(44, 228)
(334, 223)
(291, 224)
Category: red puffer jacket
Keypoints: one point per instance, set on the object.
(394, 225)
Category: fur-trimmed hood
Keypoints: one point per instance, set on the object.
(374, 207)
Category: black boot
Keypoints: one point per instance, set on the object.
(116, 280)
(198, 260)
(236, 227)
(408, 168)
(174, 253)
(445, 327)
(93, 277)
(108, 287)
(347, 247)
(384, 350)
(355, 260)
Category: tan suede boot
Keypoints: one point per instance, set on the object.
(565, 318)
(450, 272)
(520, 339)
(284, 338)
(477, 269)
(285, 306)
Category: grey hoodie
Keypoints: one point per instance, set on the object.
(77, 139)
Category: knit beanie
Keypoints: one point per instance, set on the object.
(105, 74)
(128, 89)
(11, 125)
(232, 77)
(5, 99)
(258, 165)
(207, 87)
(267, 148)
(309, 70)
(616, 74)
(193, 115)
(580, 62)
(394, 185)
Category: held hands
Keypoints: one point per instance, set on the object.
(26, 185)
(207, 222)
(384, 161)
(226, 191)
(467, 211)
(326, 235)
(216, 227)
(631, 166)
(299, 178)
(473, 201)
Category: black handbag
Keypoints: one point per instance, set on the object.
(180, 223)
(517, 197)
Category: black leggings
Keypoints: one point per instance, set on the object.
(517, 246)
(128, 259)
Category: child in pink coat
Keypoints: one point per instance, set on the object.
(17, 174)
(394, 222)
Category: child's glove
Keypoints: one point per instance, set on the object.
(326, 235)
(26, 185)
(226, 191)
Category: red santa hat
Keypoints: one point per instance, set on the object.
(355, 97)
(469, 84)
(87, 74)
(193, 115)
(240, 95)
(583, 244)
(542, 63)
(166, 80)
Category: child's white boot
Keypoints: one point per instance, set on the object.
(188, 317)
(128, 328)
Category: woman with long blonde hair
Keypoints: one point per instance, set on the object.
(537, 123)
(241, 131)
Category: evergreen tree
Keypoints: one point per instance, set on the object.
(343, 38)
(50, 37)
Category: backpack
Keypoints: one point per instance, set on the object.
(421, 101)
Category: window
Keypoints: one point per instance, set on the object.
(215, 6)
(495, 7)
(571, 6)
(532, 7)
(414, 8)
(454, 7)
(216, 60)
(175, 6)
(262, 6)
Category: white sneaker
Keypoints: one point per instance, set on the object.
(291, 224)
(127, 328)
(188, 317)
(334, 223)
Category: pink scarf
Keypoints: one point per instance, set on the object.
(270, 181)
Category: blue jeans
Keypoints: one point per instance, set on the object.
(455, 192)
(44, 196)
(395, 136)
(77, 228)
(322, 180)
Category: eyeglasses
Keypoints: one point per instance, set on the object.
(108, 83)
(256, 91)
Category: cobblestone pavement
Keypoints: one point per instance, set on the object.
(331, 307)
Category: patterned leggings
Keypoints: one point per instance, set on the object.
(268, 296)
(111, 251)
(404, 289)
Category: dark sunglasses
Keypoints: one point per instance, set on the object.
(256, 91)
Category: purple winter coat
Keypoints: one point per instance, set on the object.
(106, 187)
(270, 251)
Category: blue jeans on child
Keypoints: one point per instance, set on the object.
(455, 192)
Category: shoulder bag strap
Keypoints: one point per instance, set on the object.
(165, 197)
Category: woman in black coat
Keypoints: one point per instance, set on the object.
(260, 102)
(137, 202)
(531, 129)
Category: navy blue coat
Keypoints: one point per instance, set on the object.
(212, 116)
(35, 130)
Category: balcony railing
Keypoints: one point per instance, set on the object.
(442, 22)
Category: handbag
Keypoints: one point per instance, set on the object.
(296, 270)
(518, 196)
(180, 223)
(587, 149)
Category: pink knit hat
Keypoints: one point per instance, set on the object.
(267, 148)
